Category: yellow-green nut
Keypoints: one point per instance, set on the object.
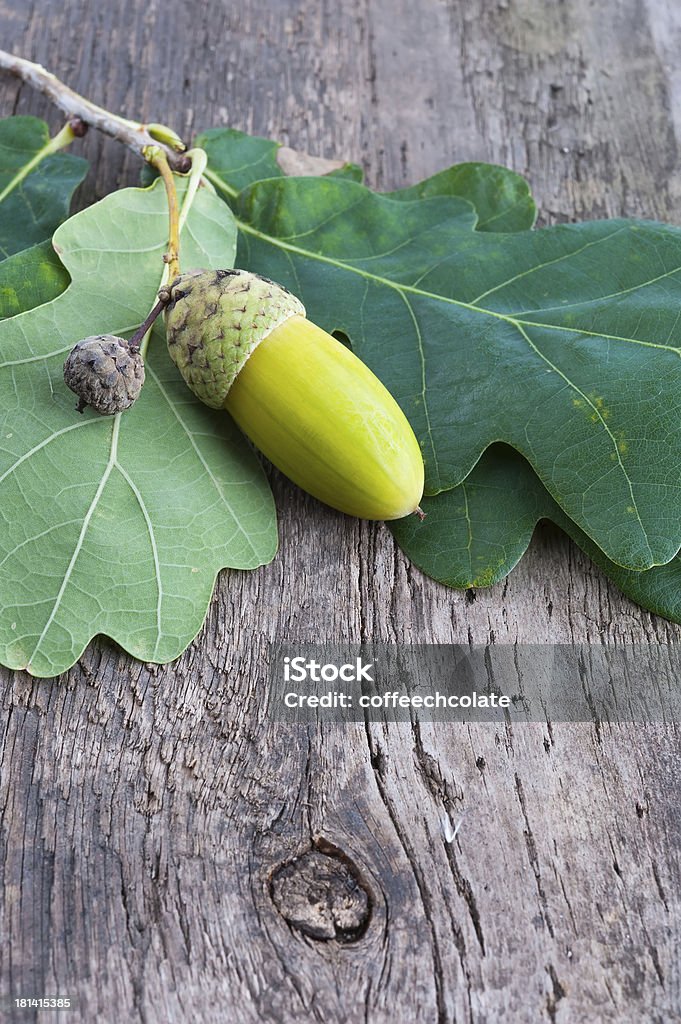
(243, 343)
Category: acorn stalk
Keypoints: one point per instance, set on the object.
(244, 344)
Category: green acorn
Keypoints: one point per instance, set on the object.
(243, 343)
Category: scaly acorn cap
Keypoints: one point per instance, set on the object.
(214, 321)
(106, 372)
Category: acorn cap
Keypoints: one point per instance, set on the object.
(105, 372)
(214, 321)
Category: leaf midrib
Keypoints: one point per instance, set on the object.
(203, 462)
(515, 321)
(81, 537)
(46, 150)
(606, 428)
(471, 306)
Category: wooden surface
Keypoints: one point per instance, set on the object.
(150, 815)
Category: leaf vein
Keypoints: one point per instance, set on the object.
(422, 359)
(605, 426)
(154, 550)
(205, 465)
(542, 266)
(81, 538)
(43, 444)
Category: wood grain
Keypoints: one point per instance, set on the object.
(147, 812)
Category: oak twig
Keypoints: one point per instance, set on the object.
(137, 137)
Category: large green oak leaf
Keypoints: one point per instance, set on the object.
(36, 185)
(117, 525)
(562, 342)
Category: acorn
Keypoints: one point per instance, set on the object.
(244, 344)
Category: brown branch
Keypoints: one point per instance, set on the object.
(134, 135)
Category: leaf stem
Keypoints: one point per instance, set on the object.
(140, 338)
(134, 135)
(158, 159)
(59, 141)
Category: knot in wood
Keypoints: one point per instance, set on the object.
(322, 896)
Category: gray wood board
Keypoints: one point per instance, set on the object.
(147, 812)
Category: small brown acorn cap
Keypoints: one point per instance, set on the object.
(106, 373)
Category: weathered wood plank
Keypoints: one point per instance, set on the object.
(144, 811)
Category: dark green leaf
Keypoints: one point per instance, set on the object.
(502, 199)
(241, 159)
(561, 342)
(658, 589)
(33, 205)
(29, 278)
(474, 534)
